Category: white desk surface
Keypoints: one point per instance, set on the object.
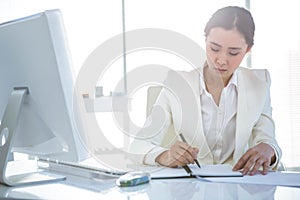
(187, 188)
(78, 188)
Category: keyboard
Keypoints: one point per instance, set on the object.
(79, 169)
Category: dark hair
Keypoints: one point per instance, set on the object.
(233, 17)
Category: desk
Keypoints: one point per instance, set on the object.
(78, 187)
(188, 188)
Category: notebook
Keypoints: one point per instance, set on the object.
(221, 170)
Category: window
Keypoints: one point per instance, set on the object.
(277, 48)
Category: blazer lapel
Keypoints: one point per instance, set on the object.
(241, 121)
(251, 92)
(199, 139)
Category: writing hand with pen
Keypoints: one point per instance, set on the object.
(179, 155)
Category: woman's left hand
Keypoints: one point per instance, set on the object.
(261, 155)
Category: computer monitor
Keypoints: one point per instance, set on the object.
(37, 105)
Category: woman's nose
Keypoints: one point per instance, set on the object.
(221, 59)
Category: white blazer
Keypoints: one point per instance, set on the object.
(181, 107)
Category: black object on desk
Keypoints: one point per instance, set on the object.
(196, 161)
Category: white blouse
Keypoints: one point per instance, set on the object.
(219, 122)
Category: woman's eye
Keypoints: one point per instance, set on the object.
(233, 53)
(214, 49)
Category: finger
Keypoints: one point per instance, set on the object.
(166, 159)
(183, 157)
(250, 164)
(189, 152)
(184, 153)
(180, 161)
(171, 161)
(195, 151)
(179, 155)
(255, 168)
(176, 154)
(242, 161)
(265, 168)
(174, 162)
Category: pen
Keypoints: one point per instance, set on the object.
(183, 139)
(187, 169)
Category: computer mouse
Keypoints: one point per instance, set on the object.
(133, 178)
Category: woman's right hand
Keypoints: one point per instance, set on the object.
(180, 154)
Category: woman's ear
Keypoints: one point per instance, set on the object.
(248, 49)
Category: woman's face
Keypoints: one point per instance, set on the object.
(225, 50)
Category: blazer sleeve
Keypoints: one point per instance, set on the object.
(147, 145)
(167, 109)
(264, 129)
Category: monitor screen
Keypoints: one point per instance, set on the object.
(34, 54)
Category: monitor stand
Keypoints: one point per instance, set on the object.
(7, 134)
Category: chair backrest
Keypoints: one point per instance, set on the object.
(152, 94)
(170, 136)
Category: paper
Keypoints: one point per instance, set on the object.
(224, 170)
(205, 171)
(272, 178)
(166, 172)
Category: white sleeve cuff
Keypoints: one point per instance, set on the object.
(150, 157)
(275, 164)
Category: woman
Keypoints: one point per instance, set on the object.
(235, 123)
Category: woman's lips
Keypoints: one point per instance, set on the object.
(220, 70)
